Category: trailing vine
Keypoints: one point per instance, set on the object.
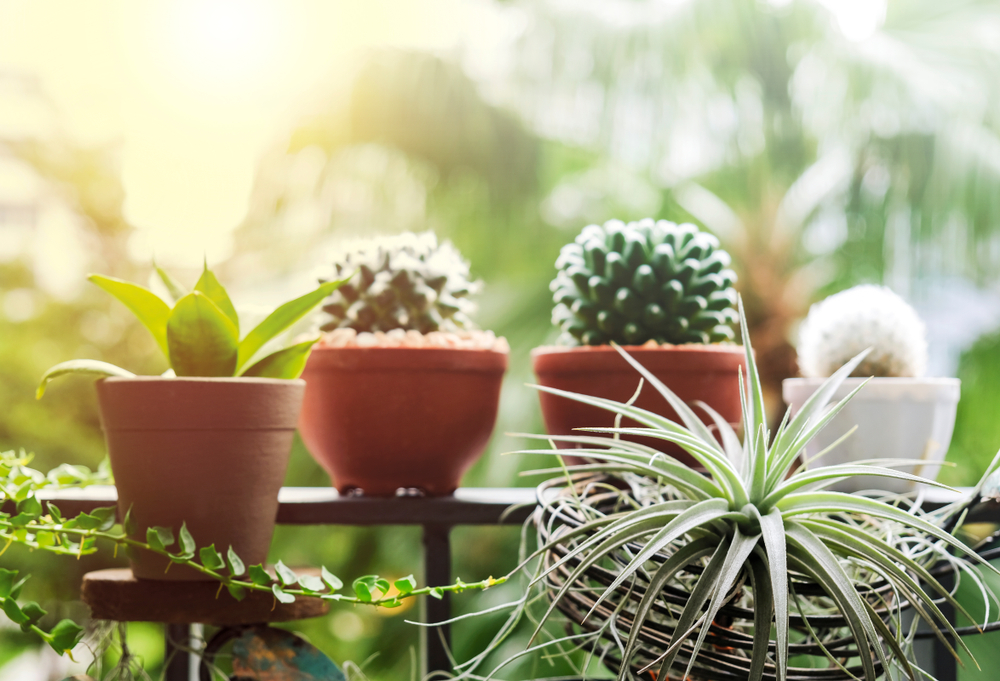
(40, 525)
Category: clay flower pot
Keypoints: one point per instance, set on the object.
(209, 452)
(897, 418)
(694, 372)
(383, 419)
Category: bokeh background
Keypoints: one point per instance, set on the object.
(825, 142)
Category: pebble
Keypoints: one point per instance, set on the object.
(398, 338)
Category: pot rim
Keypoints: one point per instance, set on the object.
(694, 348)
(237, 380)
(422, 359)
(878, 389)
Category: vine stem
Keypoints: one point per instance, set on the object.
(6, 528)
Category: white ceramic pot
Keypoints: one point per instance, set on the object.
(897, 418)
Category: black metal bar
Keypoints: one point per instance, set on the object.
(437, 572)
(945, 664)
(177, 641)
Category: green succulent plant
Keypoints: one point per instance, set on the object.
(199, 331)
(408, 281)
(641, 281)
(658, 565)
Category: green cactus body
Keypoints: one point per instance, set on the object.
(642, 281)
(408, 282)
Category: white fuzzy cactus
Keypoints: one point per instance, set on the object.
(846, 323)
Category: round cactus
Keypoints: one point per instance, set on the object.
(641, 281)
(408, 282)
(866, 316)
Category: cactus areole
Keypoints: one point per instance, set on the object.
(643, 281)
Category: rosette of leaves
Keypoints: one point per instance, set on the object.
(408, 281)
(687, 574)
(198, 331)
(641, 281)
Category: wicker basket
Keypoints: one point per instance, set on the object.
(729, 648)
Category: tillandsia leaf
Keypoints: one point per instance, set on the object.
(148, 307)
(803, 503)
(736, 558)
(642, 457)
(643, 520)
(917, 598)
(790, 440)
(730, 442)
(690, 420)
(772, 532)
(702, 591)
(286, 363)
(714, 460)
(209, 285)
(828, 475)
(282, 318)
(755, 392)
(816, 560)
(174, 288)
(201, 338)
(80, 366)
(702, 513)
(680, 559)
(782, 461)
(763, 610)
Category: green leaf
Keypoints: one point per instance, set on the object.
(32, 612)
(259, 576)
(215, 291)
(54, 512)
(148, 307)
(80, 366)
(281, 595)
(236, 591)
(187, 542)
(13, 611)
(30, 506)
(106, 517)
(285, 574)
(436, 592)
(202, 340)
(64, 636)
(393, 603)
(174, 289)
(772, 531)
(405, 585)
(332, 580)
(211, 558)
(286, 363)
(129, 524)
(281, 319)
(236, 567)
(311, 583)
(159, 537)
(363, 587)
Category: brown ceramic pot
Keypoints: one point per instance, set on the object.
(209, 452)
(384, 419)
(694, 372)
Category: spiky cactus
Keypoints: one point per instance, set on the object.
(865, 316)
(408, 282)
(641, 281)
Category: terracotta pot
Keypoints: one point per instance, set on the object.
(209, 452)
(380, 420)
(694, 372)
(897, 418)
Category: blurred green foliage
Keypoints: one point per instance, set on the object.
(819, 161)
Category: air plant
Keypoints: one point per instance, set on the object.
(686, 574)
